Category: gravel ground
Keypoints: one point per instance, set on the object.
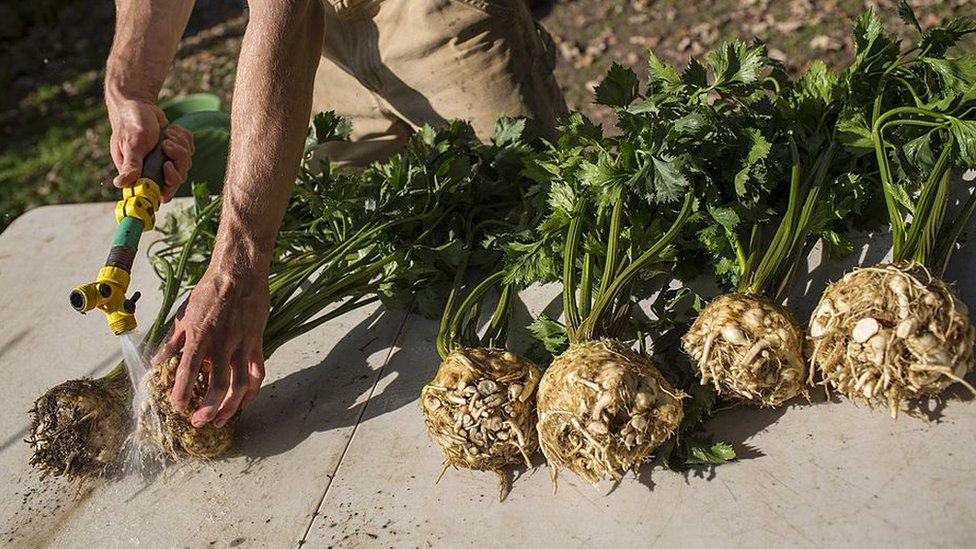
(53, 132)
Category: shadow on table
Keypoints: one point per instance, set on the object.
(329, 395)
(520, 340)
(933, 409)
(870, 249)
(738, 424)
(735, 426)
(8, 345)
(325, 396)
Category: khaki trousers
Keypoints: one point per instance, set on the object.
(392, 66)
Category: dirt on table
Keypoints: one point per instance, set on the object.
(54, 134)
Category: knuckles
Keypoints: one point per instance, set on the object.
(240, 383)
(135, 136)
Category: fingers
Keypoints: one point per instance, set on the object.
(181, 310)
(115, 151)
(132, 149)
(255, 371)
(135, 131)
(181, 136)
(217, 386)
(219, 331)
(160, 117)
(239, 385)
(231, 389)
(186, 373)
(173, 179)
(171, 346)
(230, 381)
(179, 148)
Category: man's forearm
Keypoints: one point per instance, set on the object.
(272, 103)
(147, 34)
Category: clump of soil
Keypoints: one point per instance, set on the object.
(79, 427)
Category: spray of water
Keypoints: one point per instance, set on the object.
(135, 364)
(141, 455)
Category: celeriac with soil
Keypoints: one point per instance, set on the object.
(897, 331)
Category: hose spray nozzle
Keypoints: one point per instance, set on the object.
(135, 213)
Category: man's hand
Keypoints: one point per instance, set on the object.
(225, 316)
(135, 131)
(222, 324)
(147, 33)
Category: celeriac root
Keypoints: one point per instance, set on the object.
(749, 348)
(884, 334)
(79, 427)
(603, 408)
(480, 409)
(170, 429)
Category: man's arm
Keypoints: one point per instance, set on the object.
(147, 33)
(226, 313)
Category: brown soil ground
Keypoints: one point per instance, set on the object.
(53, 132)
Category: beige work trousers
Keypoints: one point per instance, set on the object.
(392, 66)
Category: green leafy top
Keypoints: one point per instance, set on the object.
(822, 183)
(694, 149)
(481, 238)
(768, 153)
(915, 113)
(387, 232)
(720, 127)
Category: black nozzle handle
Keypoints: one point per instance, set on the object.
(129, 305)
(152, 165)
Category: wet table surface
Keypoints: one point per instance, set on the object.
(334, 452)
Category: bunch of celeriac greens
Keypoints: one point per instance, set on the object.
(792, 184)
(622, 212)
(480, 405)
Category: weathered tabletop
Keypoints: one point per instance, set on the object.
(334, 452)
